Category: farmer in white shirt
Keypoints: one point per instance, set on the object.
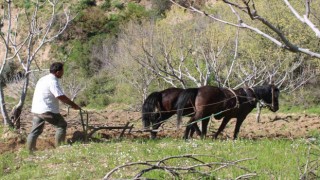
(45, 106)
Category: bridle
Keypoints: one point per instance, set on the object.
(237, 99)
(262, 102)
(250, 98)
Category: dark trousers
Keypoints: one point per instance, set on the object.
(38, 122)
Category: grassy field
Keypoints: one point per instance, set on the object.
(262, 159)
(297, 109)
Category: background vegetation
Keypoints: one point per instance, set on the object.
(101, 49)
(121, 44)
(104, 42)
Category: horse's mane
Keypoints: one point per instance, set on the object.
(261, 91)
(149, 106)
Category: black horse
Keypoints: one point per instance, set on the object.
(226, 103)
(160, 106)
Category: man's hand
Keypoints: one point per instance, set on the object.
(66, 100)
(76, 107)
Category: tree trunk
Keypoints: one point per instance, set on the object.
(6, 119)
(17, 109)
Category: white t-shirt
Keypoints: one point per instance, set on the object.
(45, 95)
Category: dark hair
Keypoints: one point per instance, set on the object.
(56, 66)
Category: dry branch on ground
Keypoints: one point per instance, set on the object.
(195, 166)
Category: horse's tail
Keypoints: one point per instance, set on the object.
(149, 108)
(185, 97)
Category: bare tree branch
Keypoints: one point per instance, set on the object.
(203, 54)
(196, 166)
(304, 18)
(251, 11)
(24, 41)
(310, 168)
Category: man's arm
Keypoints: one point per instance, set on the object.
(66, 100)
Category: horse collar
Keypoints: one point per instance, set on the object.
(235, 95)
(251, 95)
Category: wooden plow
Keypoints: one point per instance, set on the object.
(90, 130)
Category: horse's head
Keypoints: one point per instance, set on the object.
(149, 119)
(157, 107)
(145, 121)
(268, 95)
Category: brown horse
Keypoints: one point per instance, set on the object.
(226, 103)
(160, 106)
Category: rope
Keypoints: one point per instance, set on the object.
(166, 120)
(235, 95)
(193, 106)
(218, 113)
(237, 106)
(184, 109)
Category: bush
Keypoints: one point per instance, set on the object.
(106, 5)
(161, 6)
(20, 4)
(80, 56)
(305, 97)
(98, 92)
(135, 11)
(83, 4)
(117, 4)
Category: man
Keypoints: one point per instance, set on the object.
(45, 106)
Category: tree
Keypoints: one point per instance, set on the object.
(178, 54)
(274, 33)
(23, 35)
(130, 72)
(187, 50)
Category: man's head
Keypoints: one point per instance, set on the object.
(56, 69)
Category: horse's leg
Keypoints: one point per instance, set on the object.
(238, 125)
(154, 133)
(222, 126)
(188, 128)
(160, 120)
(192, 130)
(204, 124)
(195, 128)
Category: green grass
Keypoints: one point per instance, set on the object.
(298, 109)
(272, 158)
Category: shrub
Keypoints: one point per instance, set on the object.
(83, 4)
(106, 5)
(161, 6)
(117, 4)
(135, 11)
(98, 92)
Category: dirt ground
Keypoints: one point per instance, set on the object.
(271, 125)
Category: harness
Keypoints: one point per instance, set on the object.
(261, 101)
(272, 96)
(237, 99)
(252, 97)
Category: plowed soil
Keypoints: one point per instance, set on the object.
(271, 125)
